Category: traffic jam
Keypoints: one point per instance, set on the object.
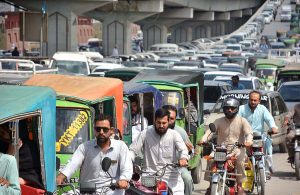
(211, 116)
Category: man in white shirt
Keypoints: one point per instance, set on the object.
(161, 145)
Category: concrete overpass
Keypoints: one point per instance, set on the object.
(186, 19)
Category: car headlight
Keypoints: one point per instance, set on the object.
(148, 181)
(220, 156)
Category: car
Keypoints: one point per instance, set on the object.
(101, 68)
(211, 75)
(273, 102)
(232, 67)
(290, 92)
(212, 91)
(247, 82)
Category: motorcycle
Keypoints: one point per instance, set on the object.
(296, 163)
(144, 182)
(90, 188)
(223, 179)
(256, 165)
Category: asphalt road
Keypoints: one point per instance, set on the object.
(283, 181)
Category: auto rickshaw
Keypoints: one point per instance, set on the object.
(181, 88)
(30, 111)
(150, 99)
(78, 101)
(288, 73)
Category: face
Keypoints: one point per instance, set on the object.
(172, 119)
(103, 131)
(161, 125)
(254, 100)
(235, 81)
(134, 108)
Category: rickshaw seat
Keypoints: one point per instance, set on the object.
(28, 190)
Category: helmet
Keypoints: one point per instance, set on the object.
(230, 103)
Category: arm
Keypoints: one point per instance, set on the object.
(12, 177)
(126, 167)
(247, 132)
(137, 145)
(268, 118)
(180, 146)
(73, 165)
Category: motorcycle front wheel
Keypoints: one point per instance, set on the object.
(297, 165)
(260, 181)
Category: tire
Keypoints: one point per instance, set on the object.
(283, 147)
(260, 185)
(297, 165)
(197, 173)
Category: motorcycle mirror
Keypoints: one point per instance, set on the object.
(181, 113)
(212, 127)
(106, 162)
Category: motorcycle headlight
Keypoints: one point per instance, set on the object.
(257, 143)
(297, 131)
(220, 156)
(148, 181)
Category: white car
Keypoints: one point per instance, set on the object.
(211, 75)
(246, 81)
(268, 17)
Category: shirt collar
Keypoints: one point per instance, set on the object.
(112, 144)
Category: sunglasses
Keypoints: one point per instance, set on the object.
(105, 129)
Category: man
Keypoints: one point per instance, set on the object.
(185, 174)
(257, 114)
(90, 154)
(231, 129)
(235, 83)
(159, 145)
(136, 118)
(294, 116)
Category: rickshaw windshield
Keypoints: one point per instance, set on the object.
(269, 73)
(172, 98)
(72, 129)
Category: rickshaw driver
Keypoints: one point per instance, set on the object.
(88, 156)
(159, 145)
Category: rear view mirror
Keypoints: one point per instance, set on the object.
(106, 162)
(212, 127)
(181, 113)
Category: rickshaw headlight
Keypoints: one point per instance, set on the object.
(257, 143)
(297, 131)
(148, 181)
(220, 156)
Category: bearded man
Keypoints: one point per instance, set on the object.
(161, 145)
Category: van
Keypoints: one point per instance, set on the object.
(70, 63)
(169, 47)
(286, 13)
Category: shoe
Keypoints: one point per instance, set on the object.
(268, 175)
(271, 170)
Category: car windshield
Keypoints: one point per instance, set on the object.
(246, 83)
(269, 73)
(235, 48)
(243, 98)
(72, 129)
(211, 93)
(290, 93)
(172, 98)
(71, 67)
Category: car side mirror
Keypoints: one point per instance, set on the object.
(181, 113)
(206, 111)
(212, 127)
(106, 162)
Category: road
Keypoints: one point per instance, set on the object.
(283, 181)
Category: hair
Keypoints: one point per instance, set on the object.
(103, 117)
(235, 77)
(133, 99)
(162, 112)
(170, 107)
(255, 91)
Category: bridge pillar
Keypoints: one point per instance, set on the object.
(154, 33)
(181, 33)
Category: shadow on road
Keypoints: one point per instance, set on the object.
(285, 175)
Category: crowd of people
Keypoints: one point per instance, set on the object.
(162, 143)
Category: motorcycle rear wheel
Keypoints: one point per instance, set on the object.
(260, 181)
(297, 165)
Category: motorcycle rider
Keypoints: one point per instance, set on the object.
(231, 129)
(185, 174)
(159, 145)
(294, 115)
(256, 114)
(89, 155)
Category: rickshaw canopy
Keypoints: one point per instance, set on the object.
(276, 63)
(16, 102)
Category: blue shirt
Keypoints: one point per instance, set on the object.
(257, 118)
(9, 171)
(239, 86)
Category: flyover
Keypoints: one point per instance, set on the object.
(185, 19)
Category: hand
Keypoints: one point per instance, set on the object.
(60, 179)
(122, 184)
(247, 144)
(274, 130)
(4, 182)
(189, 146)
(183, 162)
